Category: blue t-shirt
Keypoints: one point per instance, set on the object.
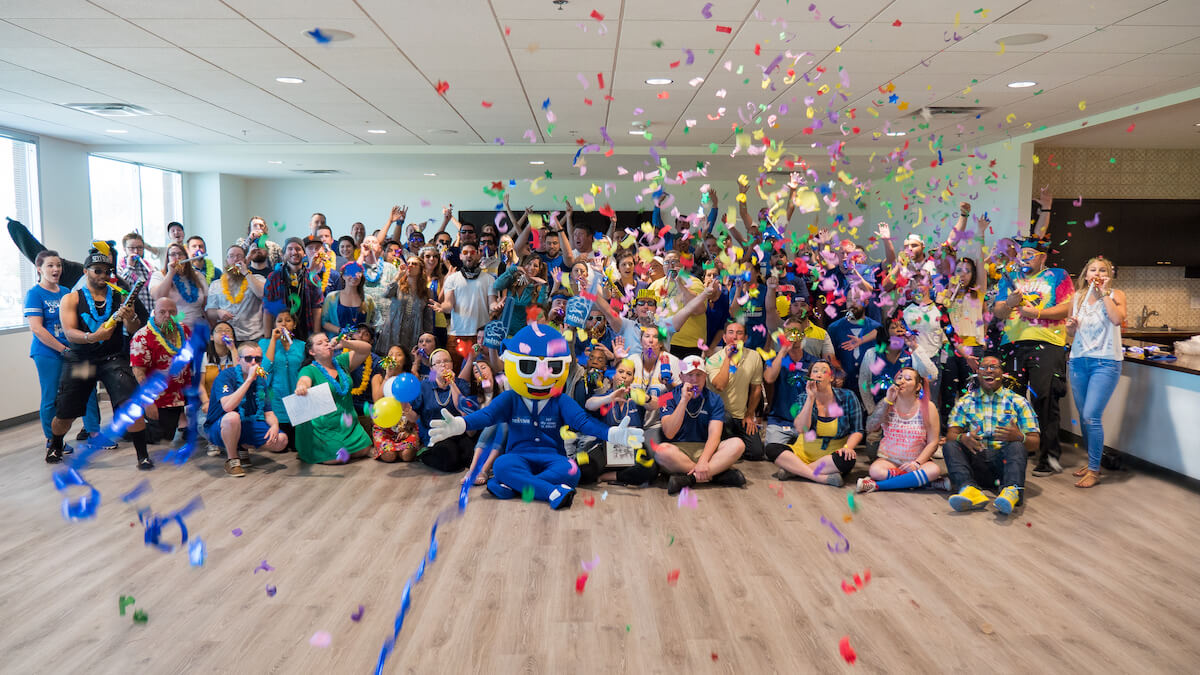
(716, 316)
(793, 376)
(555, 263)
(432, 401)
(44, 303)
(227, 382)
(705, 408)
(754, 314)
(842, 329)
(534, 427)
(284, 372)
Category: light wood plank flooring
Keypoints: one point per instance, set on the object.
(1102, 581)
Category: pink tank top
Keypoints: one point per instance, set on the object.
(903, 439)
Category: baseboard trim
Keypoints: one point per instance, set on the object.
(19, 419)
(1134, 462)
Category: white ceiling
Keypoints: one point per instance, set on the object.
(208, 68)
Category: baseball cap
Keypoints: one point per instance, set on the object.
(914, 238)
(690, 363)
(95, 257)
(312, 240)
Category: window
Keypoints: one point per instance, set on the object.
(19, 201)
(129, 197)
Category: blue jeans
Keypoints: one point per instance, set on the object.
(988, 469)
(49, 370)
(1092, 383)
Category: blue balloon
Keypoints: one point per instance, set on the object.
(406, 388)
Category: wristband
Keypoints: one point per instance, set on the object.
(1022, 436)
(1041, 211)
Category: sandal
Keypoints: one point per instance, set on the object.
(1089, 479)
(483, 477)
(1081, 472)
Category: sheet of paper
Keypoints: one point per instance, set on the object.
(318, 401)
(619, 455)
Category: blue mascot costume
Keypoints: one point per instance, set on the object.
(536, 362)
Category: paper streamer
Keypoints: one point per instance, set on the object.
(448, 514)
(843, 545)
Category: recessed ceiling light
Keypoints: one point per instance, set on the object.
(274, 161)
(431, 174)
(116, 131)
(895, 133)
(289, 80)
(659, 80)
(376, 131)
(1023, 39)
(637, 132)
(537, 162)
(1022, 84)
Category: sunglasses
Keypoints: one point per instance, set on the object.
(646, 303)
(252, 359)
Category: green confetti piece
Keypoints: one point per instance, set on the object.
(686, 129)
(1112, 160)
(123, 602)
(548, 174)
(712, 147)
(140, 616)
(672, 540)
(850, 501)
(657, 43)
(549, 129)
(648, 136)
(527, 494)
(627, 627)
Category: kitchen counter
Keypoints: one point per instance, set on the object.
(1154, 413)
(1159, 336)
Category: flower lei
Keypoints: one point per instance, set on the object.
(325, 275)
(93, 318)
(188, 291)
(158, 334)
(366, 378)
(234, 299)
(336, 383)
(378, 272)
(209, 270)
(293, 292)
(260, 392)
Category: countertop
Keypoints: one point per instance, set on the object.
(1183, 363)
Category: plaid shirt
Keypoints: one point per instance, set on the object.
(275, 299)
(131, 273)
(981, 413)
(851, 419)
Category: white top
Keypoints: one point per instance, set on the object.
(247, 319)
(193, 312)
(1096, 336)
(926, 322)
(471, 310)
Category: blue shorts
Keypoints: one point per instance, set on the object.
(254, 433)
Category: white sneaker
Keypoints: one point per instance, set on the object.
(1054, 464)
(214, 451)
(937, 454)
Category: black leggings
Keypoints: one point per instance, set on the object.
(774, 450)
(163, 429)
(451, 455)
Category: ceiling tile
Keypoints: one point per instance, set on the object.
(175, 9)
(1067, 12)
(209, 33)
(60, 9)
(1133, 39)
(314, 10)
(92, 32)
(1169, 13)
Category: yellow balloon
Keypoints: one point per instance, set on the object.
(387, 412)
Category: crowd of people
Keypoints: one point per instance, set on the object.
(753, 340)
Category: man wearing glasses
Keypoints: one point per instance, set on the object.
(134, 268)
(239, 411)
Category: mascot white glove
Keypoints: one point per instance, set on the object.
(450, 426)
(621, 435)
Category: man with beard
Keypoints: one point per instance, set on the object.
(92, 319)
(236, 297)
(151, 350)
(256, 237)
(468, 296)
(260, 260)
(289, 289)
(198, 250)
(852, 336)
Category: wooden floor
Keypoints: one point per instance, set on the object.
(1100, 581)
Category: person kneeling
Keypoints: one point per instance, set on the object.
(910, 435)
(692, 424)
(239, 412)
(991, 432)
(830, 427)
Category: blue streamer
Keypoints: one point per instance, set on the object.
(139, 490)
(85, 506)
(447, 514)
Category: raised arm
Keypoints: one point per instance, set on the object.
(1041, 229)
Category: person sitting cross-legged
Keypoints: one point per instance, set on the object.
(909, 420)
(829, 427)
(990, 434)
(692, 422)
(239, 411)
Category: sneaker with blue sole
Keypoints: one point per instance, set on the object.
(969, 498)
(1009, 498)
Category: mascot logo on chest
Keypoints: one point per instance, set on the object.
(536, 362)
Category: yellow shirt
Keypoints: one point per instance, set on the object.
(693, 330)
(737, 390)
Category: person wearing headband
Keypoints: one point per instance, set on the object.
(1036, 301)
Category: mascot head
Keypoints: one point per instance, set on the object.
(536, 361)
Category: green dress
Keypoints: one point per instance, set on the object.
(320, 439)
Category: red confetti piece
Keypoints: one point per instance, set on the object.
(1130, 129)
(663, 95)
(607, 211)
(758, 50)
(580, 582)
(442, 87)
(714, 656)
(507, 30)
(665, 399)
(597, 15)
(847, 588)
(600, 79)
(589, 500)
(487, 104)
(587, 101)
(1028, 524)
(531, 314)
(724, 29)
(672, 577)
(673, 64)
(896, 23)
(844, 647)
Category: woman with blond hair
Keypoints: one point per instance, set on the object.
(910, 435)
(1094, 365)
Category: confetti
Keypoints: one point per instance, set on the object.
(836, 24)
(319, 36)
(527, 494)
(896, 23)
(1129, 129)
(321, 639)
(442, 87)
(843, 543)
(687, 497)
(264, 567)
(197, 552)
(589, 500)
(123, 602)
(488, 104)
(271, 590)
(357, 616)
(847, 651)
(588, 566)
(597, 15)
(672, 577)
(580, 582)
(343, 456)
(1082, 105)
(724, 29)
(139, 616)
(1094, 221)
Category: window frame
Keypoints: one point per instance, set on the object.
(141, 194)
(35, 141)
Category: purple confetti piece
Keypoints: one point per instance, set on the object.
(1078, 202)
(835, 24)
(588, 566)
(1094, 221)
(706, 12)
(499, 141)
(237, 531)
(264, 567)
(357, 616)
(843, 545)
(691, 58)
(271, 590)
(343, 456)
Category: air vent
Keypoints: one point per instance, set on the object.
(318, 172)
(111, 109)
(952, 110)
